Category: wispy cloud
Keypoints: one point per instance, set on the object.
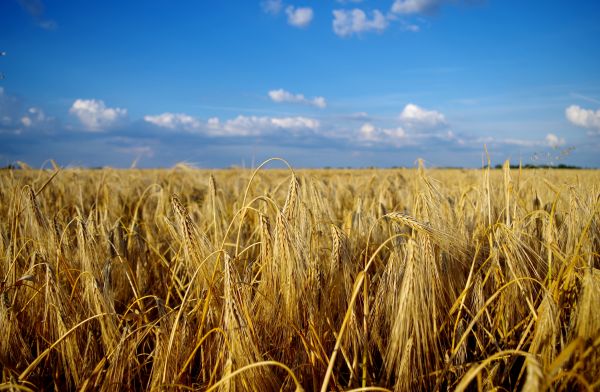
(414, 6)
(33, 117)
(272, 7)
(299, 17)
(36, 9)
(11, 109)
(95, 116)
(137, 151)
(550, 140)
(281, 95)
(17, 118)
(349, 22)
(584, 118)
(422, 6)
(585, 98)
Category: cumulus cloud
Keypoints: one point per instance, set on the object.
(281, 95)
(238, 126)
(554, 141)
(356, 21)
(419, 118)
(271, 6)
(585, 118)
(299, 17)
(95, 116)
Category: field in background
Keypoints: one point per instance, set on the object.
(321, 280)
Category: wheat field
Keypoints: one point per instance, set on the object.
(280, 279)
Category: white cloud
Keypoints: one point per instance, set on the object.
(255, 125)
(17, 118)
(238, 126)
(585, 118)
(281, 95)
(369, 133)
(174, 120)
(26, 121)
(417, 117)
(348, 22)
(213, 122)
(94, 114)
(414, 6)
(243, 126)
(299, 17)
(272, 6)
(295, 123)
(34, 116)
(415, 126)
(554, 141)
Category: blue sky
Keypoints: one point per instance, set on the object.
(320, 83)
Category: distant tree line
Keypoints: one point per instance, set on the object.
(532, 166)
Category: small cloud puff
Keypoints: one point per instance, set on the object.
(299, 17)
(271, 6)
(33, 117)
(281, 95)
(554, 141)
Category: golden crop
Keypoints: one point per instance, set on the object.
(311, 280)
